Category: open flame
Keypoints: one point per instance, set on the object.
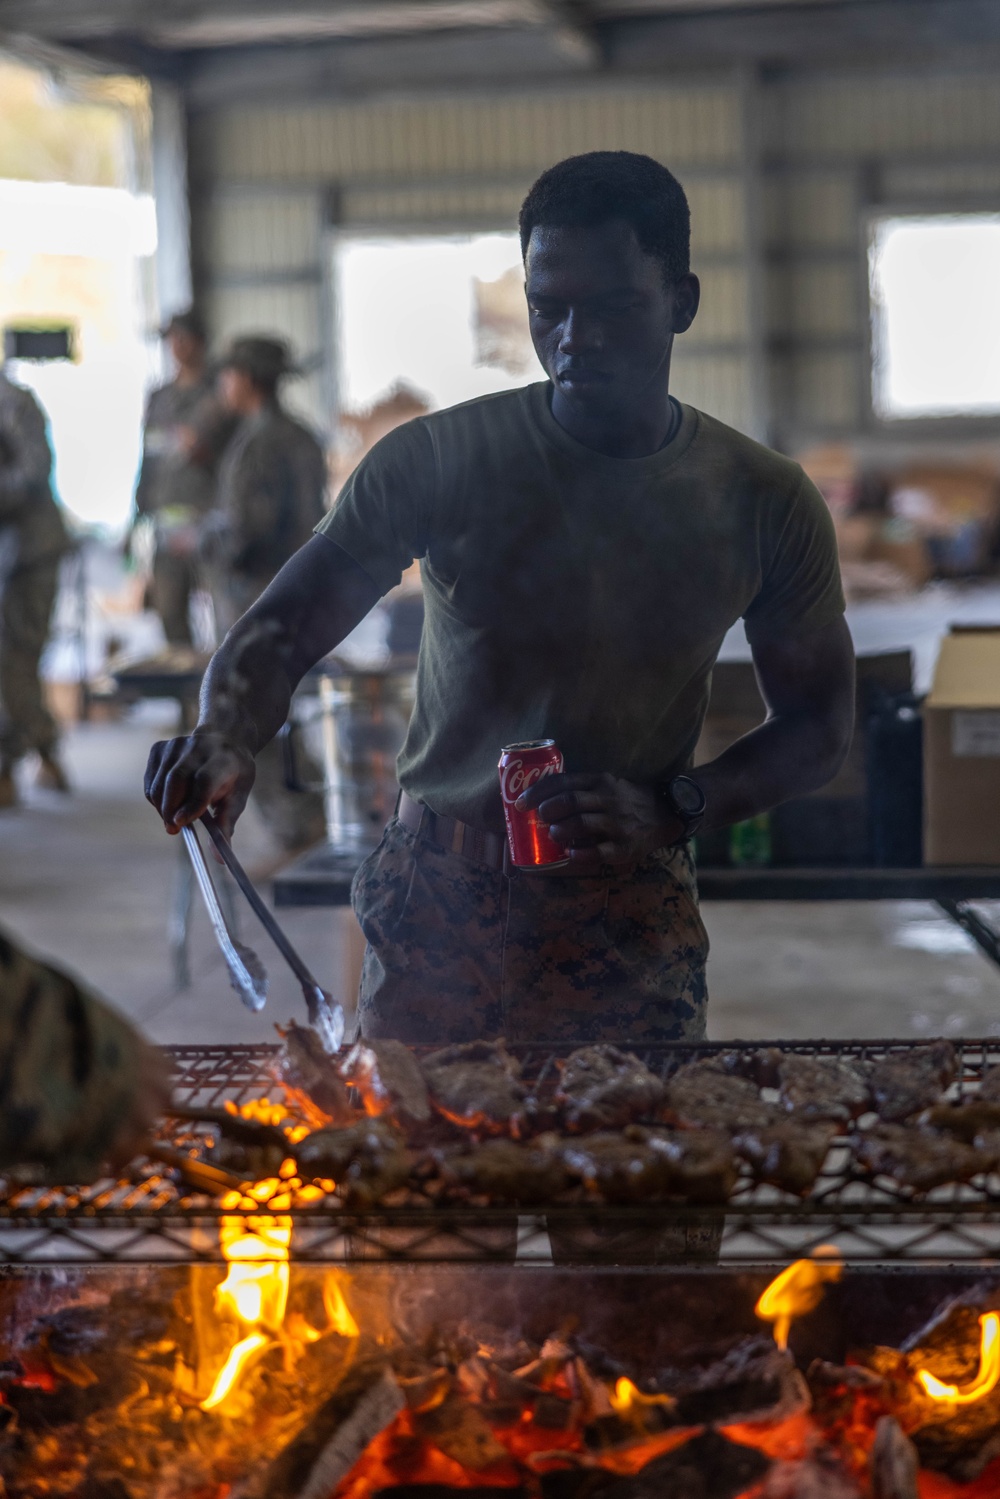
(627, 1399)
(797, 1290)
(989, 1369)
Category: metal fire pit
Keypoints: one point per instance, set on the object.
(148, 1217)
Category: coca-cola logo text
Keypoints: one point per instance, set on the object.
(515, 778)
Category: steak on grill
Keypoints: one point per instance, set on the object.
(507, 1170)
(602, 1087)
(644, 1165)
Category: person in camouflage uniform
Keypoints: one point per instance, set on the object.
(184, 433)
(32, 541)
(79, 1087)
(271, 495)
(529, 958)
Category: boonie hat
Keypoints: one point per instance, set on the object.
(263, 359)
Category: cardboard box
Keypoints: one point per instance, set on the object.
(962, 751)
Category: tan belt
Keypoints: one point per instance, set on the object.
(447, 832)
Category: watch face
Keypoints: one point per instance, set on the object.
(688, 796)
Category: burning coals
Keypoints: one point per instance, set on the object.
(271, 1381)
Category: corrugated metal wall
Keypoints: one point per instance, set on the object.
(266, 183)
(781, 346)
(839, 151)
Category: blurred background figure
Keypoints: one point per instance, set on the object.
(32, 541)
(272, 480)
(185, 431)
(272, 491)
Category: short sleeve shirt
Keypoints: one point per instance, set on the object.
(574, 596)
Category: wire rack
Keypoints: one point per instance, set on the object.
(149, 1215)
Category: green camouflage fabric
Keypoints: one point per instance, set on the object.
(31, 528)
(458, 952)
(67, 1070)
(271, 496)
(26, 600)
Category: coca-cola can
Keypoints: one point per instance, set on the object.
(529, 840)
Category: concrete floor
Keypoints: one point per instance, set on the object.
(88, 880)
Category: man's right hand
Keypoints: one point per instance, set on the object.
(185, 777)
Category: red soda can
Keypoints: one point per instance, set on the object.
(529, 840)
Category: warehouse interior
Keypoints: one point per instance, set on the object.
(283, 151)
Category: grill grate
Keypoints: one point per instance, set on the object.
(147, 1216)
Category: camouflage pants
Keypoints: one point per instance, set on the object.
(174, 580)
(26, 600)
(458, 951)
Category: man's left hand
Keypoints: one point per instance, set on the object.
(601, 820)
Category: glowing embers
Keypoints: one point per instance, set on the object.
(797, 1290)
(989, 1369)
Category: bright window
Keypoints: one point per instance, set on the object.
(935, 288)
(441, 314)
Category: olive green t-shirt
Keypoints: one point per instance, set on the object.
(574, 596)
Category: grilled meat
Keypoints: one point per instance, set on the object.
(302, 1064)
(989, 1088)
(967, 1120)
(645, 1165)
(758, 1063)
(389, 1079)
(366, 1160)
(823, 1087)
(917, 1158)
(905, 1082)
(478, 1086)
(602, 1087)
(700, 1095)
(508, 1171)
(789, 1154)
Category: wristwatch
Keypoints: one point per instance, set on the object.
(686, 800)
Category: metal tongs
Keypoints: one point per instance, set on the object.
(247, 973)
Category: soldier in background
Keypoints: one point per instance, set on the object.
(271, 494)
(79, 1087)
(32, 541)
(272, 480)
(185, 431)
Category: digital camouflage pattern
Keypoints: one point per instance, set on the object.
(458, 951)
(68, 1066)
(32, 540)
(26, 600)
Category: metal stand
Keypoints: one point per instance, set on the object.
(986, 937)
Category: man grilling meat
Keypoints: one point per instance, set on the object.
(585, 544)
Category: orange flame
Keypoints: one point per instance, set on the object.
(989, 1369)
(627, 1399)
(797, 1290)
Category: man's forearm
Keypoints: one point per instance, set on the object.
(786, 757)
(248, 686)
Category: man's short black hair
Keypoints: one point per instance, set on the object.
(602, 185)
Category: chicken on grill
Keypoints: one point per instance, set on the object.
(477, 1085)
(389, 1079)
(644, 1165)
(702, 1096)
(905, 1082)
(366, 1160)
(789, 1154)
(602, 1088)
(917, 1158)
(304, 1066)
(824, 1087)
(508, 1171)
